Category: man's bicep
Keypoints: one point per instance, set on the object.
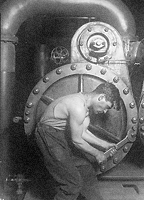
(76, 126)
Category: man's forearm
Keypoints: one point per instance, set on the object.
(83, 145)
(92, 139)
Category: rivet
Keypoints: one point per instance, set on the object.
(114, 43)
(142, 135)
(81, 43)
(29, 105)
(126, 91)
(142, 104)
(116, 79)
(59, 71)
(36, 91)
(132, 105)
(89, 58)
(103, 71)
(142, 129)
(112, 152)
(89, 29)
(106, 29)
(115, 160)
(27, 119)
(133, 134)
(134, 120)
(134, 128)
(73, 67)
(102, 168)
(101, 60)
(126, 149)
(88, 66)
(141, 120)
(27, 112)
(45, 79)
(106, 58)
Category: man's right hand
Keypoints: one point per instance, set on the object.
(110, 145)
(100, 157)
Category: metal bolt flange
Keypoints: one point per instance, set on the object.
(29, 105)
(116, 79)
(27, 112)
(133, 134)
(88, 66)
(36, 91)
(102, 168)
(134, 128)
(142, 135)
(46, 79)
(141, 120)
(114, 43)
(103, 71)
(126, 91)
(132, 105)
(134, 120)
(27, 119)
(73, 67)
(59, 71)
(142, 104)
(115, 160)
(81, 43)
(106, 29)
(142, 128)
(89, 29)
(126, 149)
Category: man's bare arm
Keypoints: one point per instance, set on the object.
(94, 140)
(77, 127)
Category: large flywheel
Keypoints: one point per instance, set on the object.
(116, 126)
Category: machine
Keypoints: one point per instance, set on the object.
(84, 44)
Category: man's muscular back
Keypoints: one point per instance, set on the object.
(60, 111)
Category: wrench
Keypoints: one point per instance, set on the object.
(129, 138)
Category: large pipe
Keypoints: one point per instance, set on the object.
(15, 12)
(114, 12)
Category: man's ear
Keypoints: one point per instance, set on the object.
(101, 97)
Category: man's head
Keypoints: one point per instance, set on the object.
(104, 97)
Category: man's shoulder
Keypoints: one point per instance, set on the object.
(76, 100)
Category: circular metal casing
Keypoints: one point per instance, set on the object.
(84, 77)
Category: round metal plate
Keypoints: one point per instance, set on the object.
(97, 42)
(85, 77)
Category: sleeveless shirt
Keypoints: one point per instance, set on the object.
(49, 118)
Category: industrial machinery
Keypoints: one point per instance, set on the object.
(103, 48)
(97, 55)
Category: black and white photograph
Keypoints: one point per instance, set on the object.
(72, 100)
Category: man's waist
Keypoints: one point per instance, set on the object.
(51, 127)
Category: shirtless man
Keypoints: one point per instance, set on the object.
(53, 138)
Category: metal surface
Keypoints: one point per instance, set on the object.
(41, 61)
(141, 116)
(101, 43)
(14, 13)
(85, 75)
(114, 12)
(58, 83)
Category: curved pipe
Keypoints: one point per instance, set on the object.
(114, 12)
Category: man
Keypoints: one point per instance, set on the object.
(54, 139)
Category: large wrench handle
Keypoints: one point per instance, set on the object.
(128, 139)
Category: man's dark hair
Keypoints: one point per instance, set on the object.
(111, 93)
